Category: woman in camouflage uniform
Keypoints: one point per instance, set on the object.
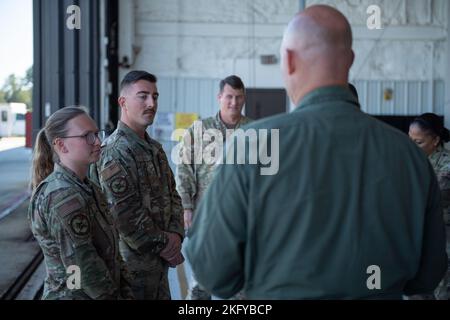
(69, 215)
(429, 133)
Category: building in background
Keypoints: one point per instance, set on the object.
(12, 119)
(401, 70)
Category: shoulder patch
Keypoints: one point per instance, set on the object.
(79, 225)
(68, 206)
(110, 170)
(119, 186)
(74, 216)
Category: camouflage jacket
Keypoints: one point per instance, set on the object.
(70, 220)
(137, 180)
(440, 160)
(194, 178)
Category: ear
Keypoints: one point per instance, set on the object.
(352, 59)
(436, 141)
(60, 146)
(291, 61)
(121, 101)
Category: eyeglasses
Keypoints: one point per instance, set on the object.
(91, 137)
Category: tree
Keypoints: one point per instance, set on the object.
(17, 89)
(27, 81)
(11, 88)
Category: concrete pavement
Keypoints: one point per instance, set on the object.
(15, 164)
(16, 243)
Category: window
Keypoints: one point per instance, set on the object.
(4, 116)
(20, 116)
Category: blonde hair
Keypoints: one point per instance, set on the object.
(44, 157)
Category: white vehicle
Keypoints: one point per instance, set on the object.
(12, 119)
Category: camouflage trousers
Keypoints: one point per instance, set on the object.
(197, 292)
(147, 274)
(150, 286)
(442, 291)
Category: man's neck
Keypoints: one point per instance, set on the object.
(140, 131)
(230, 121)
(298, 95)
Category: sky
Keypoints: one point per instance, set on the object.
(16, 34)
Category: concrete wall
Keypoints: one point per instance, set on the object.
(411, 45)
(206, 39)
(211, 39)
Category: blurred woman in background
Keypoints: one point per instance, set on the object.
(429, 133)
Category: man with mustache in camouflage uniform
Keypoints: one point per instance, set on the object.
(134, 174)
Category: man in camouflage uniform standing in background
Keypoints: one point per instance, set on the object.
(134, 173)
(194, 178)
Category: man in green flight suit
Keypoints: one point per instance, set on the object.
(354, 210)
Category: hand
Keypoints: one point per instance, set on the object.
(173, 246)
(187, 219)
(178, 259)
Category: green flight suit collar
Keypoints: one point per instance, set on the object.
(325, 94)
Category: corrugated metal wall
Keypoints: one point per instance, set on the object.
(188, 95)
(408, 98)
(66, 62)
